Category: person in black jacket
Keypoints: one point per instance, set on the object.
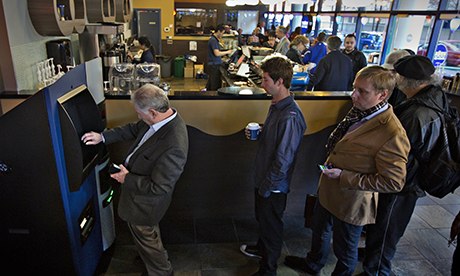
(357, 57)
(455, 233)
(334, 71)
(416, 79)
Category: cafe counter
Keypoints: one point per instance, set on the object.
(217, 180)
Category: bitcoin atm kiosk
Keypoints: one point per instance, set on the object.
(49, 195)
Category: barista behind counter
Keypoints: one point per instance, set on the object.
(215, 59)
(148, 52)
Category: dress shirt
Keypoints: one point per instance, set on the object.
(152, 129)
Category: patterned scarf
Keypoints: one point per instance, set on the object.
(354, 115)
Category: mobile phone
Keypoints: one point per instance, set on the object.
(324, 167)
(114, 168)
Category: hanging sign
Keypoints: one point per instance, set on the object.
(440, 55)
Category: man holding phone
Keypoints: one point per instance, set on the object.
(368, 153)
(150, 171)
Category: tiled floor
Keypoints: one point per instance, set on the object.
(211, 246)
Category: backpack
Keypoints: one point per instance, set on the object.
(440, 175)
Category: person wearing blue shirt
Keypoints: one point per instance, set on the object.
(215, 59)
(279, 143)
(316, 52)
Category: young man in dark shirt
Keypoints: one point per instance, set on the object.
(279, 142)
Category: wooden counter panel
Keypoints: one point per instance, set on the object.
(8, 104)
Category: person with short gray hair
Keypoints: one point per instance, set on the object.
(150, 96)
(334, 71)
(150, 171)
(397, 96)
(283, 44)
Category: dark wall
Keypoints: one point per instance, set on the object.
(218, 182)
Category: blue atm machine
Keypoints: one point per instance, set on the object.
(49, 201)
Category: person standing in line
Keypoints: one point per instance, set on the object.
(297, 31)
(455, 233)
(316, 52)
(283, 44)
(366, 155)
(263, 30)
(416, 79)
(397, 96)
(271, 41)
(298, 45)
(149, 174)
(279, 142)
(357, 57)
(334, 71)
(215, 59)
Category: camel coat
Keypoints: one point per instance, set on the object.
(373, 158)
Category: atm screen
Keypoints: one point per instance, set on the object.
(79, 114)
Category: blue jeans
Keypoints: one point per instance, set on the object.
(346, 238)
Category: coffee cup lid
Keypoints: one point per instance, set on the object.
(253, 125)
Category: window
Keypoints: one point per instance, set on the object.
(367, 5)
(417, 5)
(447, 52)
(191, 21)
(453, 5)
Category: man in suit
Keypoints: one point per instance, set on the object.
(367, 154)
(334, 71)
(150, 171)
(283, 44)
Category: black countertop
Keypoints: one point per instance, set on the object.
(210, 95)
(214, 95)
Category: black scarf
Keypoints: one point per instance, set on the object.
(354, 115)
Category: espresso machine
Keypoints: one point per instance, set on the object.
(106, 41)
(113, 51)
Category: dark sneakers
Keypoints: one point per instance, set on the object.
(299, 263)
(250, 251)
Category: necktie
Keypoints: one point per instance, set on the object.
(146, 136)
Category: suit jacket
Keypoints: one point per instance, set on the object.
(153, 169)
(283, 46)
(373, 158)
